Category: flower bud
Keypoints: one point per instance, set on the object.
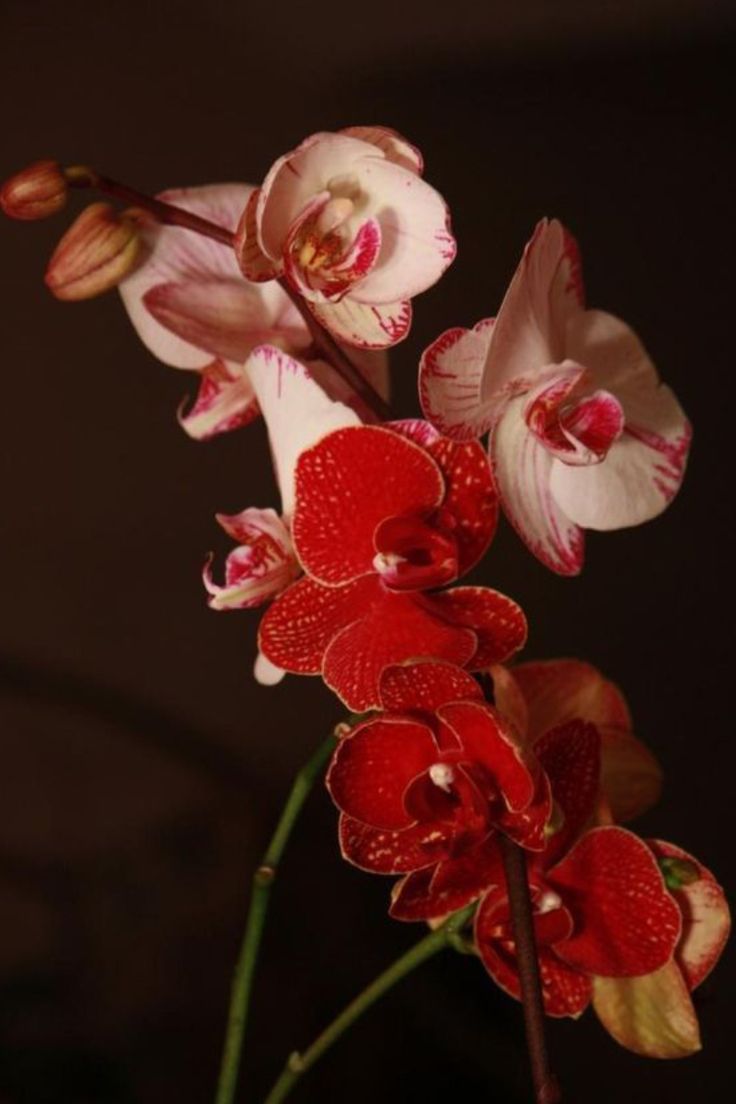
(38, 191)
(101, 247)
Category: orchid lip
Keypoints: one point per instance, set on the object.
(442, 775)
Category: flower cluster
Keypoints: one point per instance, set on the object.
(457, 757)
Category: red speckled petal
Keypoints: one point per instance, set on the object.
(471, 498)
(381, 851)
(570, 756)
(346, 485)
(423, 687)
(651, 1015)
(627, 923)
(300, 624)
(450, 885)
(373, 766)
(395, 629)
(565, 990)
(497, 621)
(706, 921)
(486, 739)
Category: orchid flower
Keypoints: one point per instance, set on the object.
(582, 434)
(349, 222)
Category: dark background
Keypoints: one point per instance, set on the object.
(141, 765)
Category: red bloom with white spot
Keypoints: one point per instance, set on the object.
(424, 788)
(382, 515)
(348, 220)
(582, 434)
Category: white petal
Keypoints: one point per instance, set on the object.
(450, 379)
(266, 672)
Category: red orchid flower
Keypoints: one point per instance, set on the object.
(424, 788)
(382, 515)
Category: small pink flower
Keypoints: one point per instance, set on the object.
(260, 567)
(348, 220)
(582, 433)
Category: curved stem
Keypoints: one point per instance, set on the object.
(263, 880)
(546, 1088)
(298, 1063)
(81, 176)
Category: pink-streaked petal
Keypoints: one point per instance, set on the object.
(417, 242)
(435, 891)
(391, 144)
(267, 673)
(260, 568)
(225, 402)
(395, 629)
(423, 687)
(254, 263)
(576, 432)
(651, 1015)
(297, 412)
(486, 739)
(706, 920)
(497, 621)
(570, 756)
(366, 326)
(627, 922)
(298, 627)
(522, 467)
(450, 382)
(565, 990)
(346, 486)
(374, 764)
(530, 331)
(380, 851)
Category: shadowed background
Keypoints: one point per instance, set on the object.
(142, 766)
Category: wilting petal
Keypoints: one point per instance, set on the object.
(349, 483)
(706, 921)
(391, 144)
(260, 568)
(559, 690)
(374, 764)
(448, 886)
(486, 739)
(651, 1015)
(450, 382)
(396, 628)
(522, 467)
(225, 401)
(297, 412)
(365, 325)
(627, 923)
(566, 991)
(423, 687)
(509, 699)
(498, 622)
(570, 756)
(631, 778)
(297, 628)
(380, 851)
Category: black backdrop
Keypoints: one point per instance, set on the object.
(141, 765)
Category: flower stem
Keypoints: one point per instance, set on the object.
(81, 176)
(263, 880)
(546, 1088)
(299, 1062)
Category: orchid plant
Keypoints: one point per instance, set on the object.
(496, 793)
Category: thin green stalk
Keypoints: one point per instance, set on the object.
(263, 880)
(298, 1063)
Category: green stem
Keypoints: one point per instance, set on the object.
(298, 1063)
(263, 880)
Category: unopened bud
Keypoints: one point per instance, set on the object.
(38, 191)
(96, 253)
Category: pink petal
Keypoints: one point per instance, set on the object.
(225, 401)
(627, 923)
(522, 467)
(391, 144)
(706, 921)
(297, 412)
(349, 483)
(423, 687)
(373, 766)
(260, 568)
(450, 382)
(254, 263)
(365, 325)
(651, 1015)
(497, 621)
(396, 629)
